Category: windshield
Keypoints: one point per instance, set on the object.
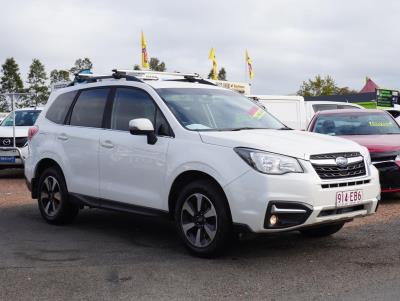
(22, 118)
(374, 123)
(216, 110)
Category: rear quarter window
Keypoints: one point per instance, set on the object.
(89, 108)
(60, 106)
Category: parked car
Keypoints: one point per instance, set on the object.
(375, 129)
(294, 111)
(2, 116)
(207, 157)
(13, 156)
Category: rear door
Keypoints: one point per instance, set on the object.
(131, 170)
(79, 140)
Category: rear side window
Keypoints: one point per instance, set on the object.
(60, 106)
(131, 104)
(89, 108)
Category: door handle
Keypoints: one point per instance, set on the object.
(107, 144)
(63, 137)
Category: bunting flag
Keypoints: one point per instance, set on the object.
(214, 61)
(249, 65)
(145, 56)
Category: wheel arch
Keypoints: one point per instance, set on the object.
(184, 179)
(41, 166)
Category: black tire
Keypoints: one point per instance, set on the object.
(64, 211)
(222, 232)
(322, 231)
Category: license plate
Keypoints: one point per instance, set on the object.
(7, 159)
(348, 198)
(8, 153)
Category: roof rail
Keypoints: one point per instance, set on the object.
(92, 78)
(138, 76)
(144, 72)
(152, 75)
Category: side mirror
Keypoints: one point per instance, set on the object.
(143, 126)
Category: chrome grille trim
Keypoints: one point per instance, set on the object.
(327, 169)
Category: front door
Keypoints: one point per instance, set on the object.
(131, 170)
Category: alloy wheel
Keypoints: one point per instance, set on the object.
(199, 220)
(50, 196)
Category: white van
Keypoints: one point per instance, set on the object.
(296, 113)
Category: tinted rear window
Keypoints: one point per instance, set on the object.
(89, 108)
(60, 106)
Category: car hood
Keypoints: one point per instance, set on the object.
(20, 131)
(377, 143)
(292, 143)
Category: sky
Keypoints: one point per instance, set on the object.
(289, 41)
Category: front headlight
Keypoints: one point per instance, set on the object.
(269, 163)
(365, 153)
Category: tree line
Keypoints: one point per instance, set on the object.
(38, 84)
(37, 87)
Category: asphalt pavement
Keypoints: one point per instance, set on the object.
(112, 256)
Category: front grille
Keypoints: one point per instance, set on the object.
(334, 156)
(330, 212)
(330, 171)
(345, 184)
(8, 141)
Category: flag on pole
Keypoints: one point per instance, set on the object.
(214, 61)
(249, 65)
(145, 56)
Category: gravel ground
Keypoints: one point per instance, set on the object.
(111, 256)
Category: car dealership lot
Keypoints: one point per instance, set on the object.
(106, 255)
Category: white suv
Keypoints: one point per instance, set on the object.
(207, 157)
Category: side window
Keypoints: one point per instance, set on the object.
(131, 104)
(89, 108)
(60, 106)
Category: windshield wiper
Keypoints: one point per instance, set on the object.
(286, 128)
(247, 128)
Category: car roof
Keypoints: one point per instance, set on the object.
(348, 111)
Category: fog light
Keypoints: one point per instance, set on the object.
(273, 220)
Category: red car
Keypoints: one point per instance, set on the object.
(377, 130)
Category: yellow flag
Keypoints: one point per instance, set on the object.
(214, 61)
(249, 65)
(145, 56)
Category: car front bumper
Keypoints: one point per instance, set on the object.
(251, 197)
(20, 156)
(389, 174)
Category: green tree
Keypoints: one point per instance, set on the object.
(37, 89)
(81, 64)
(136, 67)
(221, 75)
(345, 91)
(318, 86)
(58, 76)
(10, 82)
(156, 65)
